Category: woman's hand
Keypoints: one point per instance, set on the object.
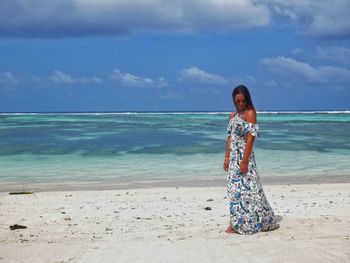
(226, 162)
(243, 166)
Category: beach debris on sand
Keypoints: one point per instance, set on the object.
(16, 226)
(21, 193)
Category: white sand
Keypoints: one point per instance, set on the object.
(171, 225)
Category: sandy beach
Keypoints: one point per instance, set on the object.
(173, 224)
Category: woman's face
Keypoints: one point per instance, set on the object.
(240, 102)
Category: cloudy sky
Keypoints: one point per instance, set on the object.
(151, 55)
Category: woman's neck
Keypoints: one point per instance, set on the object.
(240, 112)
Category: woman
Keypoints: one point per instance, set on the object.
(250, 211)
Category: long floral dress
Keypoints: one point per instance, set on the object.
(250, 212)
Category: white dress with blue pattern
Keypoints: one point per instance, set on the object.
(250, 212)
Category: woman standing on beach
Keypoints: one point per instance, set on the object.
(250, 211)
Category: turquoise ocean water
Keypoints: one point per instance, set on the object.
(53, 147)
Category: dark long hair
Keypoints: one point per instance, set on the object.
(241, 89)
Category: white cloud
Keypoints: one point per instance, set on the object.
(300, 71)
(7, 79)
(297, 51)
(58, 77)
(291, 67)
(326, 18)
(336, 74)
(333, 53)
(62, 18)
(197, 75)
(59, 18)
(131, 80)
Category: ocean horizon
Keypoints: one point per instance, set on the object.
(175, 112)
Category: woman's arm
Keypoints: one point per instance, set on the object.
(227, 148)
(250, 117)
(227, 153)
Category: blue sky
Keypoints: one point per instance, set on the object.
(85, 55)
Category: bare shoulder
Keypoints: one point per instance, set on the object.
(250, 115)
(231, 115)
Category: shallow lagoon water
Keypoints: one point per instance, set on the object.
(47, 147)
